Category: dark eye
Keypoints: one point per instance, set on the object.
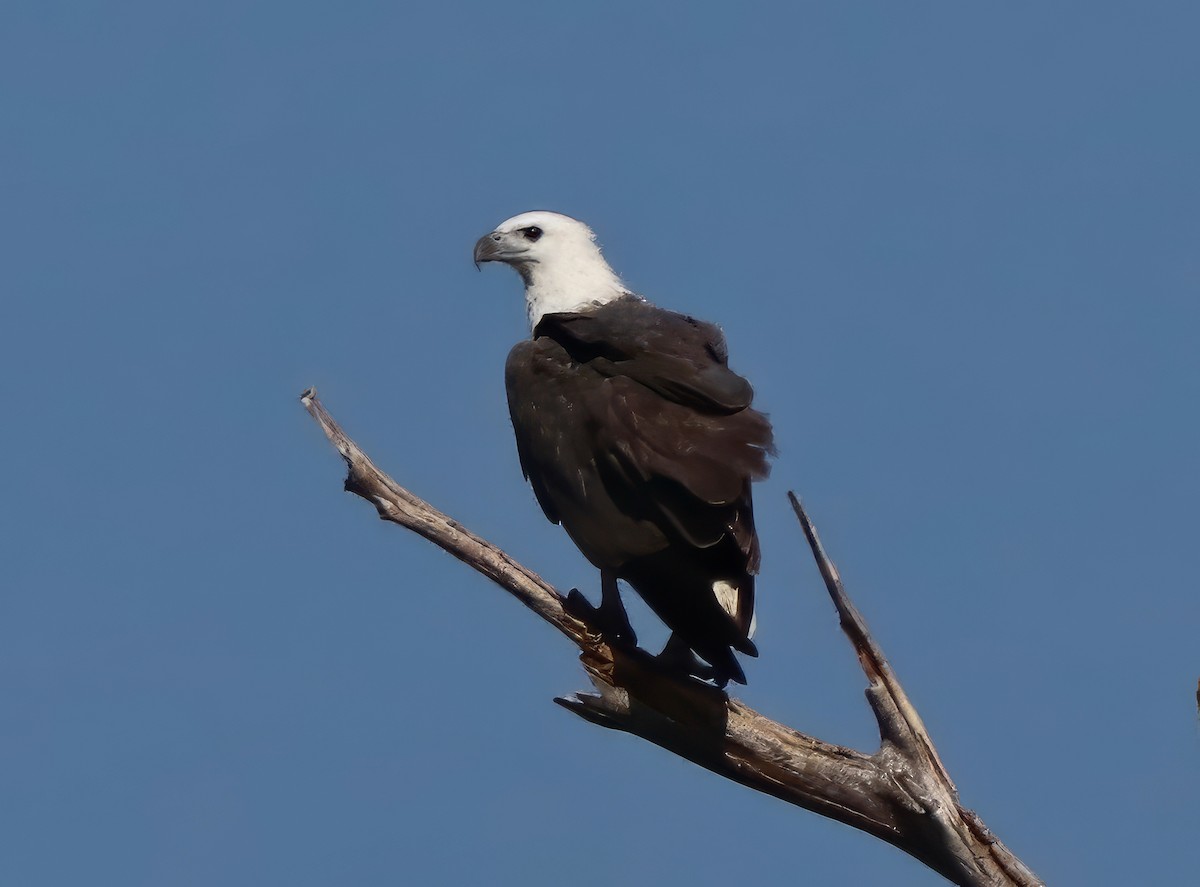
(532, 234)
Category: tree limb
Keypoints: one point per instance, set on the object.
(901, 794)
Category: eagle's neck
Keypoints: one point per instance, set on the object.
(575, 283)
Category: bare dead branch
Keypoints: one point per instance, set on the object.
(901, 794)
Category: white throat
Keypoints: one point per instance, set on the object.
(576, 282)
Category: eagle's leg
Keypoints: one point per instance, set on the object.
(610, 618)
(612, 609)
(678, 656)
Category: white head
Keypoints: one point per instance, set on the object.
(558, 259)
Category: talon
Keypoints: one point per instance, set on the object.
(580, 607)
(613, 627)
(678, 656)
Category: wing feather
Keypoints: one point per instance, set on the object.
(641, 441)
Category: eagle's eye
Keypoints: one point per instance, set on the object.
(533, 234)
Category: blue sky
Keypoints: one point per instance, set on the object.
(954, 247)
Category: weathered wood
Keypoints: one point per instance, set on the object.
(901, 794)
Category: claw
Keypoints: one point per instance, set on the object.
(678, 656)
(612, 626)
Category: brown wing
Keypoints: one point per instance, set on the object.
(556, 405)
(678, 357)
(638, 438)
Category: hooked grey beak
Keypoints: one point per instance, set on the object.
(487, 249)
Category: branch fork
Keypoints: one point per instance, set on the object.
(901, 794)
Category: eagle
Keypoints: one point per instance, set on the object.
(639, 440)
